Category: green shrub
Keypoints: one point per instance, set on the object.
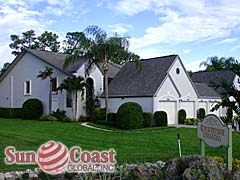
(99, 114)
(32, 109)
(182, 116)
(46, 117)
(66, 119)
(160, 118)
(83, 119)
(201, 113)
(104, 122)
(147, 119)
(129, 116)
(191, 121)
(112, 117)
(10, 112)
(59, 114)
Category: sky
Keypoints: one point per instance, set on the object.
(195, 30)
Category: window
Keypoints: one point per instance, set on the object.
(54, 85)
(69, 100)
(27, 88)
(178, 71)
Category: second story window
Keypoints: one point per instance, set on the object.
(54, 85)
(27, 88)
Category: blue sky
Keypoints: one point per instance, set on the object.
(194, 30)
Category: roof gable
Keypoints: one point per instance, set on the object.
(130, 83)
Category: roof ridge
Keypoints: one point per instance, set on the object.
(214, 71)
(159, 57)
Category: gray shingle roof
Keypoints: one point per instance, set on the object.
(210, 77)
(58, 59)
(204, 91)
(130, 83)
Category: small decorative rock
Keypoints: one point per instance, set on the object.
(1, 176)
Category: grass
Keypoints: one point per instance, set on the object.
(131, 146)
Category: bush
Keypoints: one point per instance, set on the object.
(160, 118)
(99, 114)
(182, 116)
(112, 117)
(66, 119)
(32, 109)
(82, 119)
(46, 117)
(104, 122)
(130, 116)
(59, 114)
(201, 113)
(10, 112)
(147, 119)
(191, 121)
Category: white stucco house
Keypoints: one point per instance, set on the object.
(162, 84)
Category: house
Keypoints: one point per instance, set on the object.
(162, 85)
(20, 81)
(211, 77)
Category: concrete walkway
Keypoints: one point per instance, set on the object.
(92, 127)
(182, 126)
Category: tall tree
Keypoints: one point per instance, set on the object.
(48, 40)
(28, 39)
(47, 74)
(4, 68)
(215, 63)
(95, 46)
(73, 85)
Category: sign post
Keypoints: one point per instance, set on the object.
(214, 133)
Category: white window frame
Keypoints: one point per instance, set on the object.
(25, 88)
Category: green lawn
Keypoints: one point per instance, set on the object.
(131, 146)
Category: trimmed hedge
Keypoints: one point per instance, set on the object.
(112, 117)
(99, 114)
(59, 114)
(160, 118)
(129, 116)
(147, 119)
(10, 112)
(201, 113)
(182, 115)
(32, 109)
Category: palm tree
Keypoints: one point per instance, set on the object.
(47, 74)
(73, 85)
(95, 46)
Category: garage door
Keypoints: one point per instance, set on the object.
(170, 108)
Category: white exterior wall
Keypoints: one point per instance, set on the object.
(115, 103)
(236, 82)
(176, 93)
(208, 104)
(27, 69)
(97, 78)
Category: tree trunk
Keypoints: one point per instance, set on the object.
(76, 105)
(50, 98)
(105, 70)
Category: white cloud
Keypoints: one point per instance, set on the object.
(195, 66)
(120, 28)
(153, 52)
(235, 48)
(187, 51)
(183, 20)
(15, 18)
(227, 41)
